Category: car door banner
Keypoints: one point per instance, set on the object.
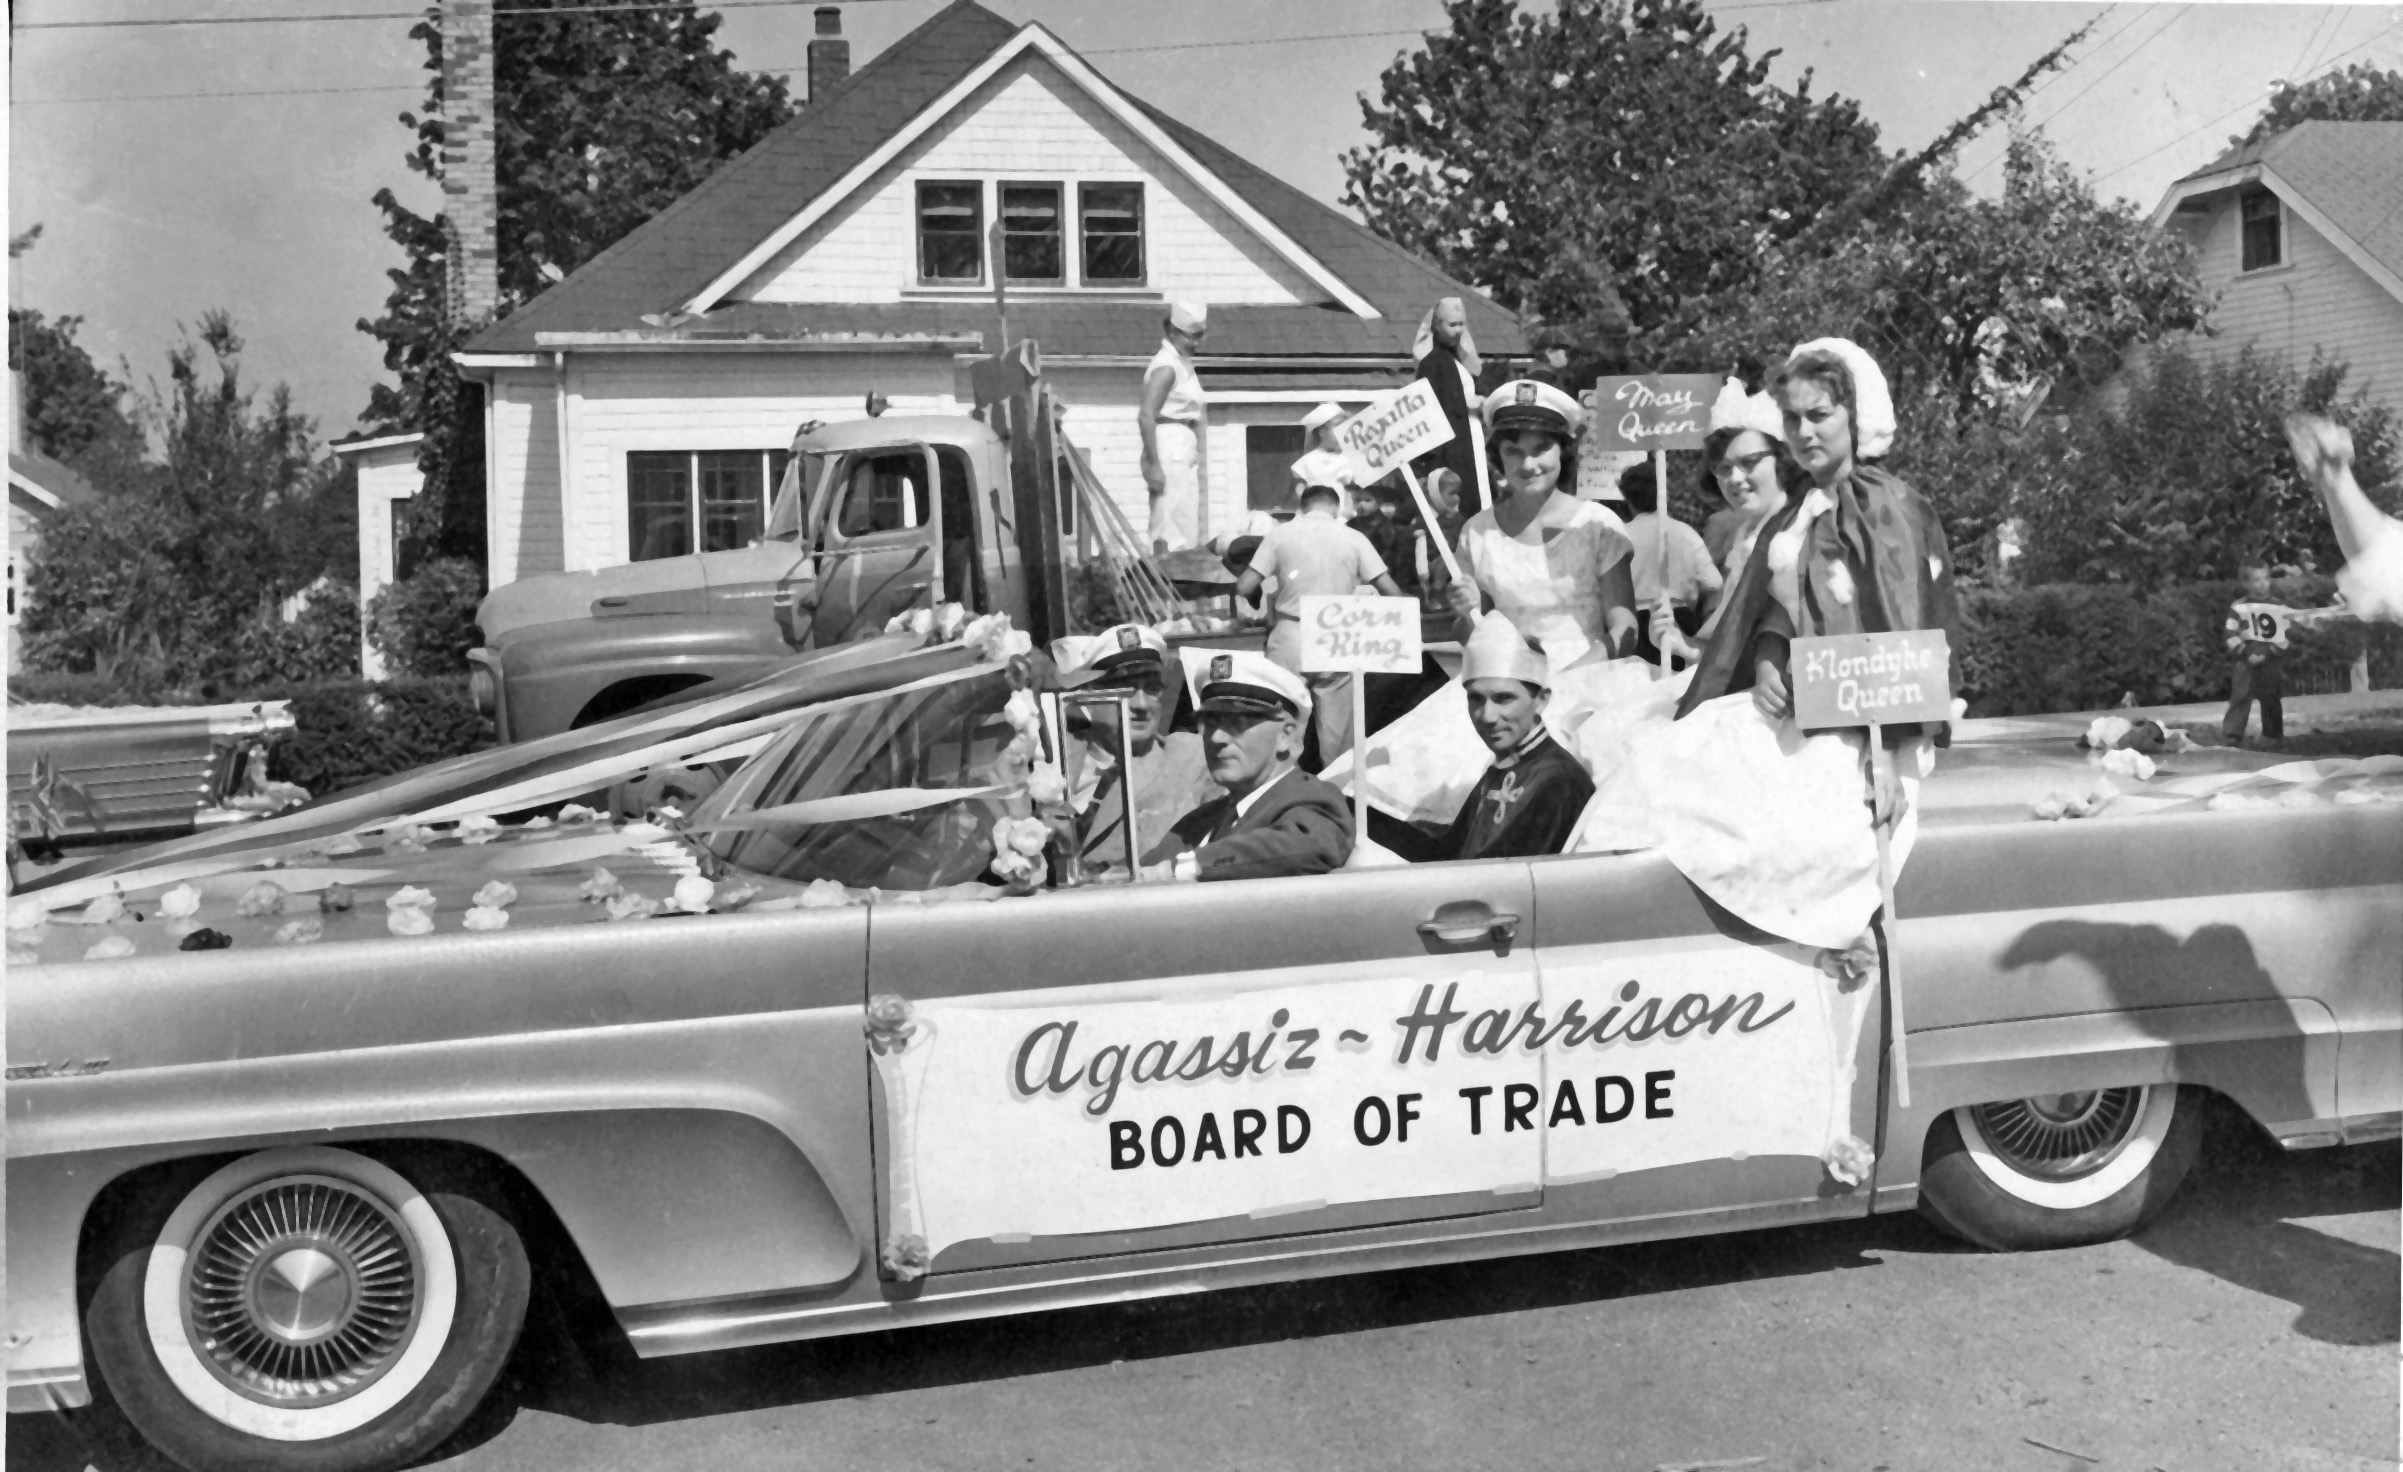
(1084, 1110)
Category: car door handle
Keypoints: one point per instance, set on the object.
(1470, 924)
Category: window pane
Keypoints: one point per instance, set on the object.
(883, 493)
(1030, 232)
(2259, 212)
(731, 499)
(659, 505)
(1112, 222)
(1269, 451)
(951, 221)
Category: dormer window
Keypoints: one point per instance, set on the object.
(951, 233)
(1031, 246)
(1111, 218)
(2263, 223)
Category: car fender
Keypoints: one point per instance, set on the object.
(549, 675)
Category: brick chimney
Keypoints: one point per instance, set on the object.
(470, 173)
(829, 55)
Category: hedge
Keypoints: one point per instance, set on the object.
(351, 731)
(2082, 646)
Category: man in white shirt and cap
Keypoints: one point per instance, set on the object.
(1171, 775)
(1528, 802)
(1323, 462)
(1275, 819)
(1315, 553)
(1170, 420)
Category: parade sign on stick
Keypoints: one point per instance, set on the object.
(1876, 680)
(1387, 435)
(1655, 411)
(1362, 634)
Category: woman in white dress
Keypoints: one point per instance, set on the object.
(2372, 541)
(1556, 566)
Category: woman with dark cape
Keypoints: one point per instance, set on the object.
(1771, 822)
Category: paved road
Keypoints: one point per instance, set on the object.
(2252, 1328)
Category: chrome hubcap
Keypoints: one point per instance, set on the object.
(2062, 1136)
(301, 1291)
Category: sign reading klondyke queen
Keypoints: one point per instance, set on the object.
(1121, 1107)
(1359, 632)
(1871, 679)
(1394, 430)
(1657, 411)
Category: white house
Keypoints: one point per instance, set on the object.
(387, 476)
(2301, 236)
(642, 406)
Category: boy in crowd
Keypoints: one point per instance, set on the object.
(2257, 635)
(1528, 802)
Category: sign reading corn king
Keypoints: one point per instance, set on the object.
(1022, 1116)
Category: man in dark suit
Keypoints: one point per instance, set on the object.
(1275, 819)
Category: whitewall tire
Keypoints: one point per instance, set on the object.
(2059, 1170)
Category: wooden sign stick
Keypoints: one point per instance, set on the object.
(1426, 514)
(1881, 764)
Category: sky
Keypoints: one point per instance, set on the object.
(178, 168)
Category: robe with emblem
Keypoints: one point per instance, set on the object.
(1524, 807)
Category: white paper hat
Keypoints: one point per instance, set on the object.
(1873, 401)
(1188, 316)
(1498, 651)
(1324, 414)
(1755, 412)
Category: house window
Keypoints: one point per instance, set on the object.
(951, 227)
(1031, 248)
(1111, 219)
(1269, 451)
(684, 501)
(2264, 242)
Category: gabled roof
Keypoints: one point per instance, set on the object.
(51, 484)
(701, 239)
(2344, 179)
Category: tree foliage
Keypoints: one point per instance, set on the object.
(172, 578)
(1610, 151)
(2361, 93)
(2189, 469)
(76, 412)
(603, 117)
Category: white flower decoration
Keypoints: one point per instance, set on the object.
(497, 894)
(693, 894)
(1839, 583)
(263, 898)
(307, 930)
(1045, 784)
(180, 903)
(1023, 713)
(576, 812)
(1848, 1159)
(486, 917)
(824, 894)
(949, 620)
(28, 913)
(479, 829)
(537, 821)
(922, 622)
(601, 886)
(630, 906)
(107, 907)
(409, 920)
(110, 948)
(409, 897)
(2129, 762)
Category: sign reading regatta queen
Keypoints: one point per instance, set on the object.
(1394, 430)
(1872, 679)
(1360, 633)
(1657, 411)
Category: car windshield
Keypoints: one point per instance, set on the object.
(893, 756)
(792, 497)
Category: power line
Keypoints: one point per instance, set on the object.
(2254, 101)
(2115, 66)
(419, 14)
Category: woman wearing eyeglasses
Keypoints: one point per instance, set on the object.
(1745, 463)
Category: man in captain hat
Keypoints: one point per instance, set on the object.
(1275, 819)
(1171, 775)
(1529, 800)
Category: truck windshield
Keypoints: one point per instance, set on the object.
(895, 755)
(792, 497)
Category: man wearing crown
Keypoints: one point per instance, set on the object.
(1529, 800)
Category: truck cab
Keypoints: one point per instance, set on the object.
(873, 517)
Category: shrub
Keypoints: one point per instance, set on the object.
(353, 731)
(2073, 646)
(425, 623)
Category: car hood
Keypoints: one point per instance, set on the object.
(562, 597)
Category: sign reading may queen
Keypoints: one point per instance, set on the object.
(1110, 1109)
(1393, 430)
(1359, 632)
(1657, 411)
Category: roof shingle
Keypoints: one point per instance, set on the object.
(2350, 172)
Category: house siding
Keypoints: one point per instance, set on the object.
(2319, 300)
(523, 531)
(387, 476)
(1029, 123)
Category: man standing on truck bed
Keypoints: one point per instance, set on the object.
(1170, 421)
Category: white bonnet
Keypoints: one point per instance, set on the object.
(1873, 401)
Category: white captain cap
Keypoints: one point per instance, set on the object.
(1120, 652)
(1241, 683)
(1530, 403)
(1188, 316)
(1323, 415)
(1498, 651)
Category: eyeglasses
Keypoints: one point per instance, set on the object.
(1741, 465)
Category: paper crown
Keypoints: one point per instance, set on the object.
(1498, 651)
(1324, 414)
(1739, 410)
(1188, 316)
